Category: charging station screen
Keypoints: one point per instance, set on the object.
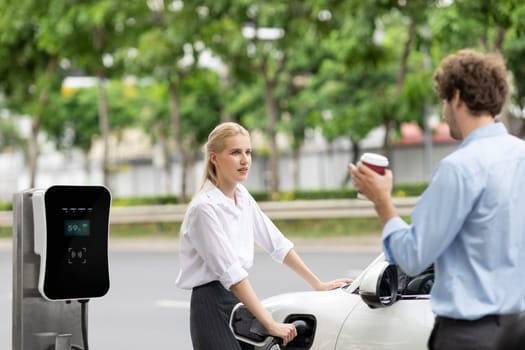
(76, 228)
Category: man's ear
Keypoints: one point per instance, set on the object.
(456, 98)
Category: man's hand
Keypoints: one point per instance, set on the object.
(369, 183)
(377, 188)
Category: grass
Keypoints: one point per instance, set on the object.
(318, 228)
(308, 228)
(5, 232)
(154, 230)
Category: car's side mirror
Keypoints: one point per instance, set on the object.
(378, 288)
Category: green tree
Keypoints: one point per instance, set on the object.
(200, 110)
(496, 26)
(75, 123)
(267, 44)
(87, 36)
(10, 137)
(367, 78)
(28, 71)
(168, 49)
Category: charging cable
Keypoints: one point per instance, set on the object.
(83, 311)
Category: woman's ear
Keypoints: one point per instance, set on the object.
(213, 158)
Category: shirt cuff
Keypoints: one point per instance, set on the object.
(392, 225)
(281, 253)
(233, 275)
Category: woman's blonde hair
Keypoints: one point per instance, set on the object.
(216, 140)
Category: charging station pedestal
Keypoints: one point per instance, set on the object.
(36, 321)
(46, 316)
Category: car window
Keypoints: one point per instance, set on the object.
(417, 285)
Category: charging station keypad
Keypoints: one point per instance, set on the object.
(77, 221)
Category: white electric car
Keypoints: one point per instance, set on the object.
(381, 309)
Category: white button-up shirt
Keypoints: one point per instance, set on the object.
(217, 238)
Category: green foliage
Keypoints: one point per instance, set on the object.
(6, 206)
(143, 230)
(75, 120)
(200, 105)
(10, 137)
(324, 228)
(304, 228)
(336, 65)
(138, 201)
(400, 190)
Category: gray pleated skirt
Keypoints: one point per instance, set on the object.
(210, 308)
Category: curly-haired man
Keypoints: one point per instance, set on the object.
(470, 220)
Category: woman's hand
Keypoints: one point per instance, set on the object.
(285, 331)
(334, 284)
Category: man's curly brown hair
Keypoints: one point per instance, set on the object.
(480, 78)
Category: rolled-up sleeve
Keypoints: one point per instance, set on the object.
(269, 237)
(393, 225)
(213, 245)
(233, 275)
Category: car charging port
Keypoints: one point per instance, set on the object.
(249, 330)
(305, 325)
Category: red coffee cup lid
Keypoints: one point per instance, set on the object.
(375, 159)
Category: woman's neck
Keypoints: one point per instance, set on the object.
(227, 189)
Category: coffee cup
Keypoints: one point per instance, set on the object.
(376, 162)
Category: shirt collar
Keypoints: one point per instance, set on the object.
(490, 130)
(217, 196)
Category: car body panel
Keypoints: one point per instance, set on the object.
(330, 309)
(406, 324)
(345, 321)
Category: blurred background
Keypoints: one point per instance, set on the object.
(124, 93)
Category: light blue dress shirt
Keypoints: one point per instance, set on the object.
(470, 222)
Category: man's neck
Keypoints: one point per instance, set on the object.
(471, 123)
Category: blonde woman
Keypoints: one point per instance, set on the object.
(217, 238)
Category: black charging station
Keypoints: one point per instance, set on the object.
(60, 262)
(71, 237)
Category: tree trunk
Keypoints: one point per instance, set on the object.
(296, 152)
(103, 114)
(271, 109)
(387, 122)
(103, 120)
(225, 84)
(191, 159)
(176, 124)
(387, 144)
(356, 150)
(33, 150)
(35, 126)
(166, 160)
(499, 40)
(86, 165)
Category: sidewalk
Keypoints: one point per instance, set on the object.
(329, 244)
